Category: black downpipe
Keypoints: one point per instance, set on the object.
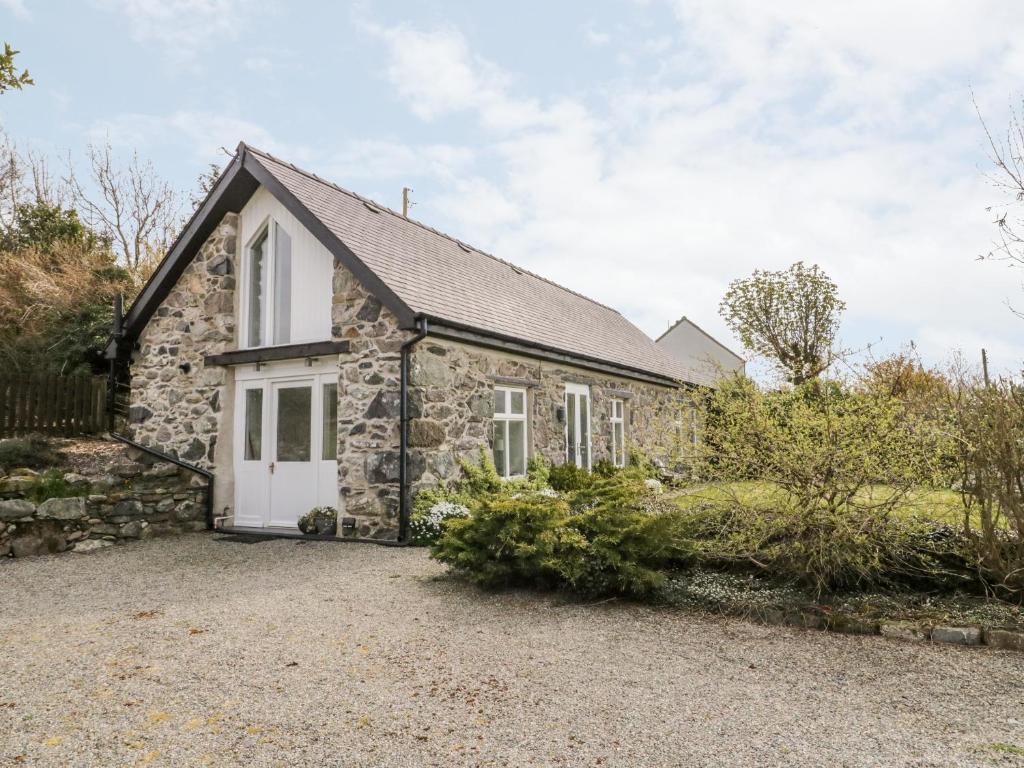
(404, 502)
(184, 465)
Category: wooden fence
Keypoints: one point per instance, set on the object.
(53, 405)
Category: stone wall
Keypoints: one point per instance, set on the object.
(369, 392)
(452, 387)
(136, 497)
(176, 401)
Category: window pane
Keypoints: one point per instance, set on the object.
(517, 447)
(518, 402)
(282, 286)
(618, 444)
(294, 422)
(253, 424)
(499, 448)
(584, 407)
(330, 426)
(499, 401)
(257, 289)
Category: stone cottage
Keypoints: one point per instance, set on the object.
(311, 347)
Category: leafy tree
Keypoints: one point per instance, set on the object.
(789, 316)
(9, 75)
(43, 225)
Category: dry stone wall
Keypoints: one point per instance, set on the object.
(176, 401)
(135, 497)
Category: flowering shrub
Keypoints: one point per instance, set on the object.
(320, 520)
(426, 528)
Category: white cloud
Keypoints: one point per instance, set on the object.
(17, 7)
(771, 133)
(183, 27)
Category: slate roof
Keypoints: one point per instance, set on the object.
(445, 279)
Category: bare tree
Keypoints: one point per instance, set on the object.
(137, 210)
(1007, 157)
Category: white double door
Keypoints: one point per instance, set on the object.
(285, 443)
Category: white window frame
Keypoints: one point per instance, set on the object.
(269, 227)
(576, 390)
(504, 419)
(618, 452)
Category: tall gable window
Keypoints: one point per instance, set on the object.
(269, 286)
(510, 431)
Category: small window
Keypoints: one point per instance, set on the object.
(618, 424)
(510, 444)
(330, 425)
(253, 424)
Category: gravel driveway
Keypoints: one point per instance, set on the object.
(192, 651)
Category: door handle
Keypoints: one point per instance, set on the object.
(271, 467)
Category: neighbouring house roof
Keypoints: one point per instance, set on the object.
(419, 272)
(684, 320)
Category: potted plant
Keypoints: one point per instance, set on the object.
(319, 521)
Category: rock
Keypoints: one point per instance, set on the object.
(195, 451)
(73, 478)
(431, 371)
(91, 545)
(852, 625)
(370, 310)
(38, 538)
(1007, 639)
(957, 635)
(23, 472)
(904, 630)
(13, 509)
(128, 508)
(138, 414)
(132, 530)
(385, 405)
(62, 509)
(127, 468)
(14, 486)
(382, 467)
(165, 469)
(426, 434)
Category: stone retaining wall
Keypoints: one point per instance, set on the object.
(136, 498)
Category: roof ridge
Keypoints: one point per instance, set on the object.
(400, 217)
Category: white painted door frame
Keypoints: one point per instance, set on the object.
(259, 480)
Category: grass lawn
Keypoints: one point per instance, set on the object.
(939, 504)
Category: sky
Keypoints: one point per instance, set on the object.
(643, 153)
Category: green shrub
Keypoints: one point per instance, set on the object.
(568, 477)
(52, 485)
(508, 542)
(611, 538)
(32, 451)
(604, 468)
(829, 549)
